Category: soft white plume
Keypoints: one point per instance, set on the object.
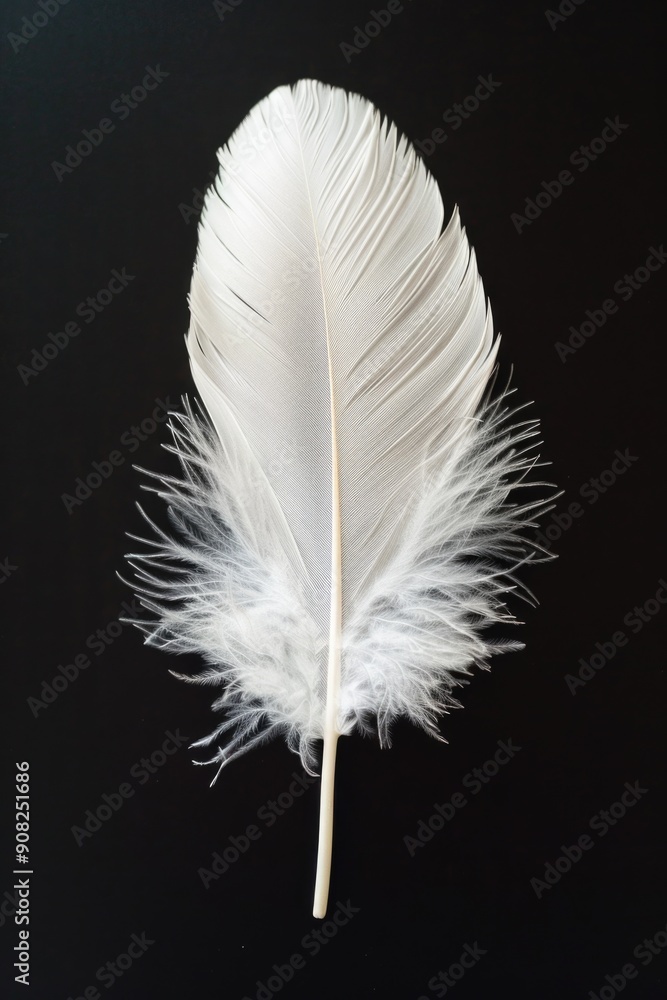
(352, 469)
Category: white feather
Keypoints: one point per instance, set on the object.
(344, 529)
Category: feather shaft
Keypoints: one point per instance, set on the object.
(331, 708)
(325, 837)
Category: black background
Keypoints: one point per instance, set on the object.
(124, 207)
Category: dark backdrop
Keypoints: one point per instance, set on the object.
(481, 885)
